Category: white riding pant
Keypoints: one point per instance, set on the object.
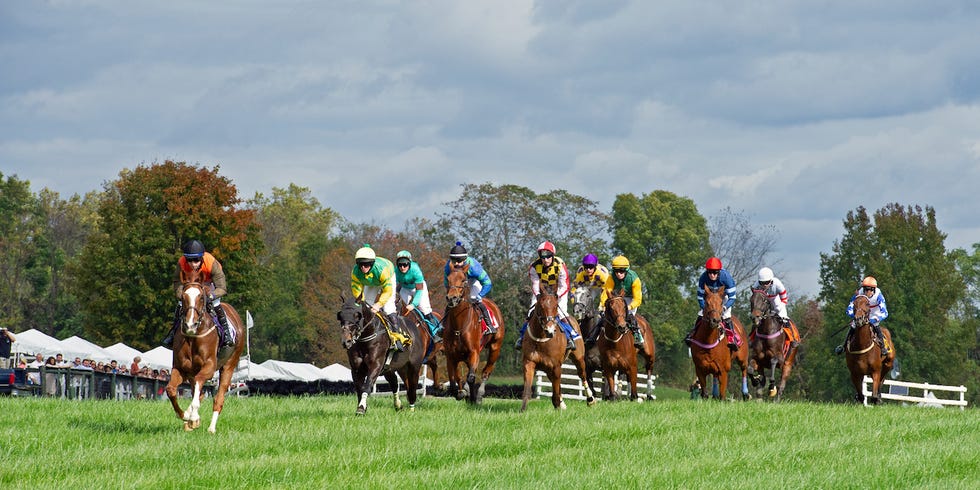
(408, 293)
(370, 294)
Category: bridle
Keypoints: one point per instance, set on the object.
(357, 327)
(543, 320)
(200, 311)
(607, 321)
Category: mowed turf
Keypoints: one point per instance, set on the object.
(317, 442)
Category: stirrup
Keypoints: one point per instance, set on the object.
(570, 344)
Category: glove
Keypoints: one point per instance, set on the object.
(409, 307)
(375, 309)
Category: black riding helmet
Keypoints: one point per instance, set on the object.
(193, 249)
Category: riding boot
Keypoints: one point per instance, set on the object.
(840, 348)
(637, 336)
(727, 322)
(168, 341)
(793, 343)
(435, 328)
(486, 317)
(880, 339)
(690, 335)
(396, 328)
(226, 340)
(520, 337)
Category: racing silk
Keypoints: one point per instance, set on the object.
(630, 286)
(475, 272)
(211, 273)
(776, 292)
(878, 309)
(555, 276)
(725, 280)
(596, 280)
(410, 279)
(381, 275)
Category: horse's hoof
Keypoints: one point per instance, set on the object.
(639, 400)
(590, 402)
(360, 411)
(562, 406)
(411, 408)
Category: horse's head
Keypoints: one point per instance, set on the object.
(862, 310)
(546, 311)
(193, 299)
(458, 286)
(352, 317)
(760, 306)
(584, 305)
(713, 305)
(616, 311)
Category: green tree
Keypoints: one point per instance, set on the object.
(905, 251)
(22, 247)
(666, 240)
(124, 278)
(296, 233)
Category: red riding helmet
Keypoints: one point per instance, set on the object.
(713, 264)
(546, 246)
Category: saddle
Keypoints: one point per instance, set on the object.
(395, 334)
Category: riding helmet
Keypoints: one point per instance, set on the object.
(193, 249)
(458, 251)
(713, 264)
(765, 274)
(365, 255)
(590, 259)
(869, 282)
(620, 262)
(546, 249)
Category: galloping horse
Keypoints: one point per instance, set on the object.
(864, 354)
(196, 352)
(369, 352)
(585, 312)
(545, 350)
(463, 338)
(710, 352)
(431, 361)
(617, 352)
(767, 347)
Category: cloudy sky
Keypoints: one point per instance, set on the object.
(794, 112)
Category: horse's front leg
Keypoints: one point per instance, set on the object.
(393, 383)
(579, 361)
(175, 380)
(224, 381)
(529, 366)
(192, 417)
(634, 395)
(472, 364)
(372, 371)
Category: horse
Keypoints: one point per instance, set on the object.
(197, 355)
(767, 347)
(369, 351)
(863, 354)
(617, 352)
(545, 350)
(431, 361)
(585, 312)
(463, 337)
(710, 352)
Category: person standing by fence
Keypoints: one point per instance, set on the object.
(6, 340)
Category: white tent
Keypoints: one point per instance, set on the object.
(122, 351)
(337, 372)
(257, 371)
(34, 341)
(159, 357)
(294, 370)
(92, 351)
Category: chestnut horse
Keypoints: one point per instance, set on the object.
(196, 352)
(709, 350)
(585, 312)
(463, 337)
(431, 361)
(864, 354)
(617, 352)
(544, 349)
(768, 346)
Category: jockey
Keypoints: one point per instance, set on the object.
(373, 280)
(779, 297)
(625, 280)
(197, 258)
(550, 270)
(411, 287)
(590, 275)
(879, 311)
(478, 279)
(715, 277)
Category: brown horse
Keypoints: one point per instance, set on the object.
(710, 352)
(431, 361)
(768, 346)
(617, 352)
(196, 352)
(370, 355)
(585, 312)
(545, 350)
(463, 337)
(864, 354)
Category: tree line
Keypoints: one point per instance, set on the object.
(101, 266)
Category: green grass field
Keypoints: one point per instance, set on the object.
(317, 442)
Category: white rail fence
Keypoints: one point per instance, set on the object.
(899, 391)
(571, 386)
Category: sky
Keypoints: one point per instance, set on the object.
(794, 113)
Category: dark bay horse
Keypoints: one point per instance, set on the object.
(463, 337)
(770, 347)
(196, 353)
(370, 355)
(431, 360)
(585, 312)
(617, 352)
(544, 349)
(709, 350)
(863, 354)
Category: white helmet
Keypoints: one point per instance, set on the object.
(765, 274)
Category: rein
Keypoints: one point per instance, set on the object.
(542, 320)
(607, 321)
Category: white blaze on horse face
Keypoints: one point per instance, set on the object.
(193, 295)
